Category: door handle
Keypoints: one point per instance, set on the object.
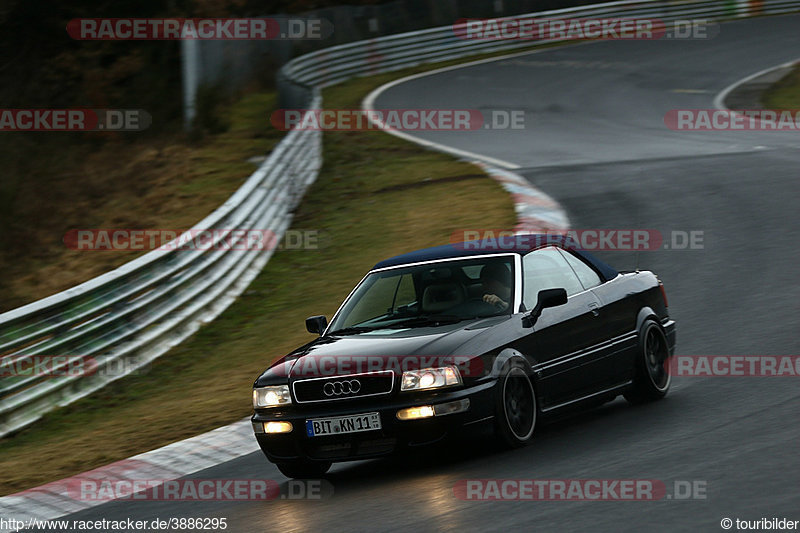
(594, 308)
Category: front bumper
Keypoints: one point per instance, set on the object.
(393, 435)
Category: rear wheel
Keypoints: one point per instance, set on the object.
(515, 407)
(652, 374)
(302, 469)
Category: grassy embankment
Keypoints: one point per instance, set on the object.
(785, 94)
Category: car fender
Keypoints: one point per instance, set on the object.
(510, 355)
(645, 313)
(507, 355)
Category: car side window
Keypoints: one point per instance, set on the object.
(585, 273)
(546, 268)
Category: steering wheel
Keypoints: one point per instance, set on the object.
(486, 306)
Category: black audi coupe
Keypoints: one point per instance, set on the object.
(440, 340)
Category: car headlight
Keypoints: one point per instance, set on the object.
(430, 378)
(271, 396)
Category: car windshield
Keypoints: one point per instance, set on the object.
(431, 294)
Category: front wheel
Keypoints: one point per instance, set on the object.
(652, 373)
(303, 469)
(515, 407)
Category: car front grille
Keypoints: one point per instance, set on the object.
(343, 387)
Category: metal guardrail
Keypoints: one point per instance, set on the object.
(126, 318)
(385, 54)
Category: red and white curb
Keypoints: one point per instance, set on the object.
(536, 211)
(173, 461)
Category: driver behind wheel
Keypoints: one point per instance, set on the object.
(496, 283)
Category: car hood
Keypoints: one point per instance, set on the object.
(381, 350)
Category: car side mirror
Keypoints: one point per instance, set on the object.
(546, 298)
(316, 324)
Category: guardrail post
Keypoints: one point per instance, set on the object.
(190, 63)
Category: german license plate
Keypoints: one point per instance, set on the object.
(337, 425)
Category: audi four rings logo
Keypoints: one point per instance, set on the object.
(338, 388)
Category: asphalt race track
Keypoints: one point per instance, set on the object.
(596, 141)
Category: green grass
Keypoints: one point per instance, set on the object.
(785, 94)
(376, 196)
(60, 183)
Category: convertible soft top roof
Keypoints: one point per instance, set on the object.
(520, 244)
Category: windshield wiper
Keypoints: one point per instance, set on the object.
(352, 330)
(432, 320)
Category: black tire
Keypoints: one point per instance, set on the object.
(652, 373)
(302, 469)
(516, 410)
